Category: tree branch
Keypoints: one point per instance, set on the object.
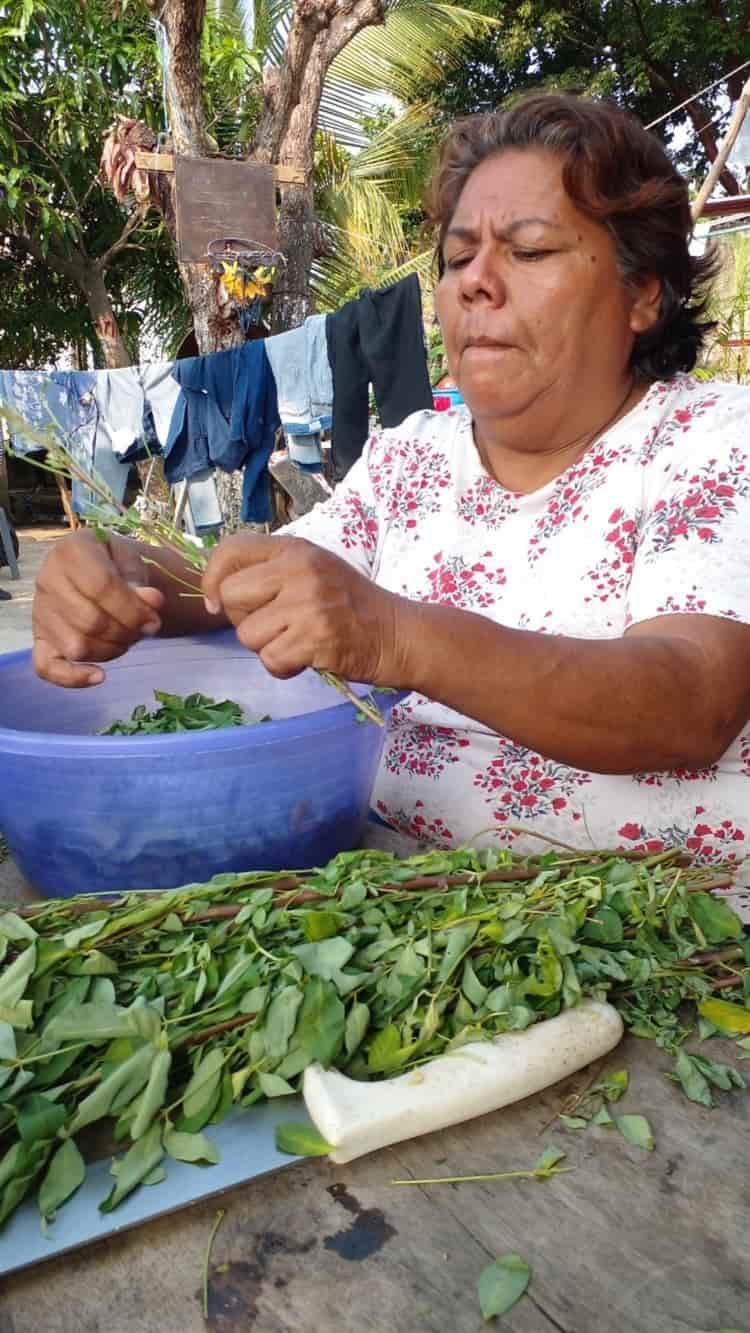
(103, 261)
(27, 138)
(52, 258)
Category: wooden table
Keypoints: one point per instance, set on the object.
(627, 1242)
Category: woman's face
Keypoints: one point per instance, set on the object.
(531, 303)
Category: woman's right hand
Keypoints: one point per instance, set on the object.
(89, 607)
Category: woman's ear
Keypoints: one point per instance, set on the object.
(645, 309)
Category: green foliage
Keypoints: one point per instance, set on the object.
(648, 56)
(195, 712)
(160, 1014)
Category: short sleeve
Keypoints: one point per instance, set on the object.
(348, 524)
(693, 553)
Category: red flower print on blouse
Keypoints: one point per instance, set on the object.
(676, 776)
(486, 503)
(698, 505)
(408, 478)
(470, 584)
(520, 784)
(356, 522)
(416, 825)
(423, 751)
(745, 753)
(571, 490)
(610, 577)
(709, 844)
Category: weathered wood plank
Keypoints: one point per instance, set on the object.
(217, 197)
(628, 1242)
(165, 162)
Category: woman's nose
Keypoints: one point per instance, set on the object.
(481, 279)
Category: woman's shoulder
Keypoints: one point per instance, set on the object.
(419, 439)
(691, 401)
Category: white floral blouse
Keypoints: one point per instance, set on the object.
(653, 520)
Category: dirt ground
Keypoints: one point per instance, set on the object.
(15, 634)
(15, 616)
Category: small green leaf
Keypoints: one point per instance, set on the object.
(549, 1158)
(8, 1042)
(635, 1129)
(693, 1082)
(472, 987)
(325, 958)
(725, 1015)
(65, 1173)
(39, 1118)
(137, 1163)
(14, 927)
(72, 938)
(321, 1022)
(301, 1141)
(502, 1283)
(602, 1117)
(385, 1051)
(190, 1147)
(357, 1023)
(573, 1121)
(152, 1097)
(203, 1088)
(320, 925)
(281, 1018)
(14, 978)
(714, 918)
(21, 1015)
(273, 1086)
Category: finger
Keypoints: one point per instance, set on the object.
(77, 616)
(153, 598)
(257, 631)
(51, 666)
(99, 585)
(82, 567)
(284, 656)
(243, 593)
(234, 554)
(75, 646)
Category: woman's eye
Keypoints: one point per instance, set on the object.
(529, 256)
(456, 261)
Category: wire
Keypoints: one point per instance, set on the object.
(695, 96)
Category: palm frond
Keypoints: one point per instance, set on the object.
(415, 45)
(237, 14)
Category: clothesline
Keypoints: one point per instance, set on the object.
(223, 410)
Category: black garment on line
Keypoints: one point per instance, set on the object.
(378, 340)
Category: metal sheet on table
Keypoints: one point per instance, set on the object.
(246, 1143)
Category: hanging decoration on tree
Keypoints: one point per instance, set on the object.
(247, 271)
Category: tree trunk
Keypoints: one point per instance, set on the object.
(319, 29)
(103, 318)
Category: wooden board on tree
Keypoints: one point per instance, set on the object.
(218, 197)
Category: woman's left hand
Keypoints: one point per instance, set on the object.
(297, 605)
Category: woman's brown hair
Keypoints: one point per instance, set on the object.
(618, 174)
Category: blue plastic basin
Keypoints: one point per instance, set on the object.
(85, 813)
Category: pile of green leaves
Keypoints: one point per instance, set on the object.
(194, 712)
(160, 1013)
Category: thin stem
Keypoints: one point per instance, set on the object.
(217, 1223)
(538, 1173)
(198, 1038)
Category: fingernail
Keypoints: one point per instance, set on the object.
(151, 627)
(95, 677)
(213, 608)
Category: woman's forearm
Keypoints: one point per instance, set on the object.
(156, 567)
(624, 705)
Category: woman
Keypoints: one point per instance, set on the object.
(560, 572)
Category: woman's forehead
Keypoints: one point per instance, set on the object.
(514, 185)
